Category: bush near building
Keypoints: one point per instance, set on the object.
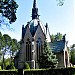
(62, 71)
(48, 58)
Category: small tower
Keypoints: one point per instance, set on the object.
(35, 11)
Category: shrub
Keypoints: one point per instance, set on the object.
(10, 66)
(48, 58)
(7, 64)
(26, 66)
(0, 68)
(61, 71)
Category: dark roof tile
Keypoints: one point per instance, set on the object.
(57, 46)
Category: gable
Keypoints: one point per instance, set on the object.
(27, 34)
(39, 33)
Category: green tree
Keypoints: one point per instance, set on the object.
(14, 48)
(72, 54)
(8, 64)
(1, 42)
(26, 66)
(6, 46)
(47, 59)
(1, 47)
(60, 2)
(52, 38)
(56, 37)
(11, 46)
(7, 42)
(0, 57)
(8, 9)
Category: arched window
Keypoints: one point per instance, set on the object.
(66, 58)
(28, 50)
(39, 48)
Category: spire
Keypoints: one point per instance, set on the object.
(35, 11)
(34, 4)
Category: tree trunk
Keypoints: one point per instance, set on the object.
(3, 62)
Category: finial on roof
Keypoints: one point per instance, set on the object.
(34, 4)
(46, 27)
(64, 39)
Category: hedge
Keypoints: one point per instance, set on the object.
(62, 71)
(8, 72)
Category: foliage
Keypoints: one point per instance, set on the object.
(8, 9)
(0, 68)
(72, 53)
(47, 59)
(0, 46)
(9, 64)
(15, 46)
(52, 38)
(56, 37)
(9, 47)
(8, 72)
(61, 71)
(6, 41)
(12, 65)
(60, 2)
(1, 41)
(26, 66)
(7, 44)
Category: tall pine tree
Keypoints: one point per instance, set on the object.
(47, 59)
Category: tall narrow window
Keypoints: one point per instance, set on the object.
(39, 48)
(28, 50)
(66, 59)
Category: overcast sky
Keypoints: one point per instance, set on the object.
(59, 18)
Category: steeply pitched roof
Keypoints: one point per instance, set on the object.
(57, 46)
(33, 25)
(23, 31)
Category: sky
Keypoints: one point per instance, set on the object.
(59, 18)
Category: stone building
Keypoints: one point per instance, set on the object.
(33, 36)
